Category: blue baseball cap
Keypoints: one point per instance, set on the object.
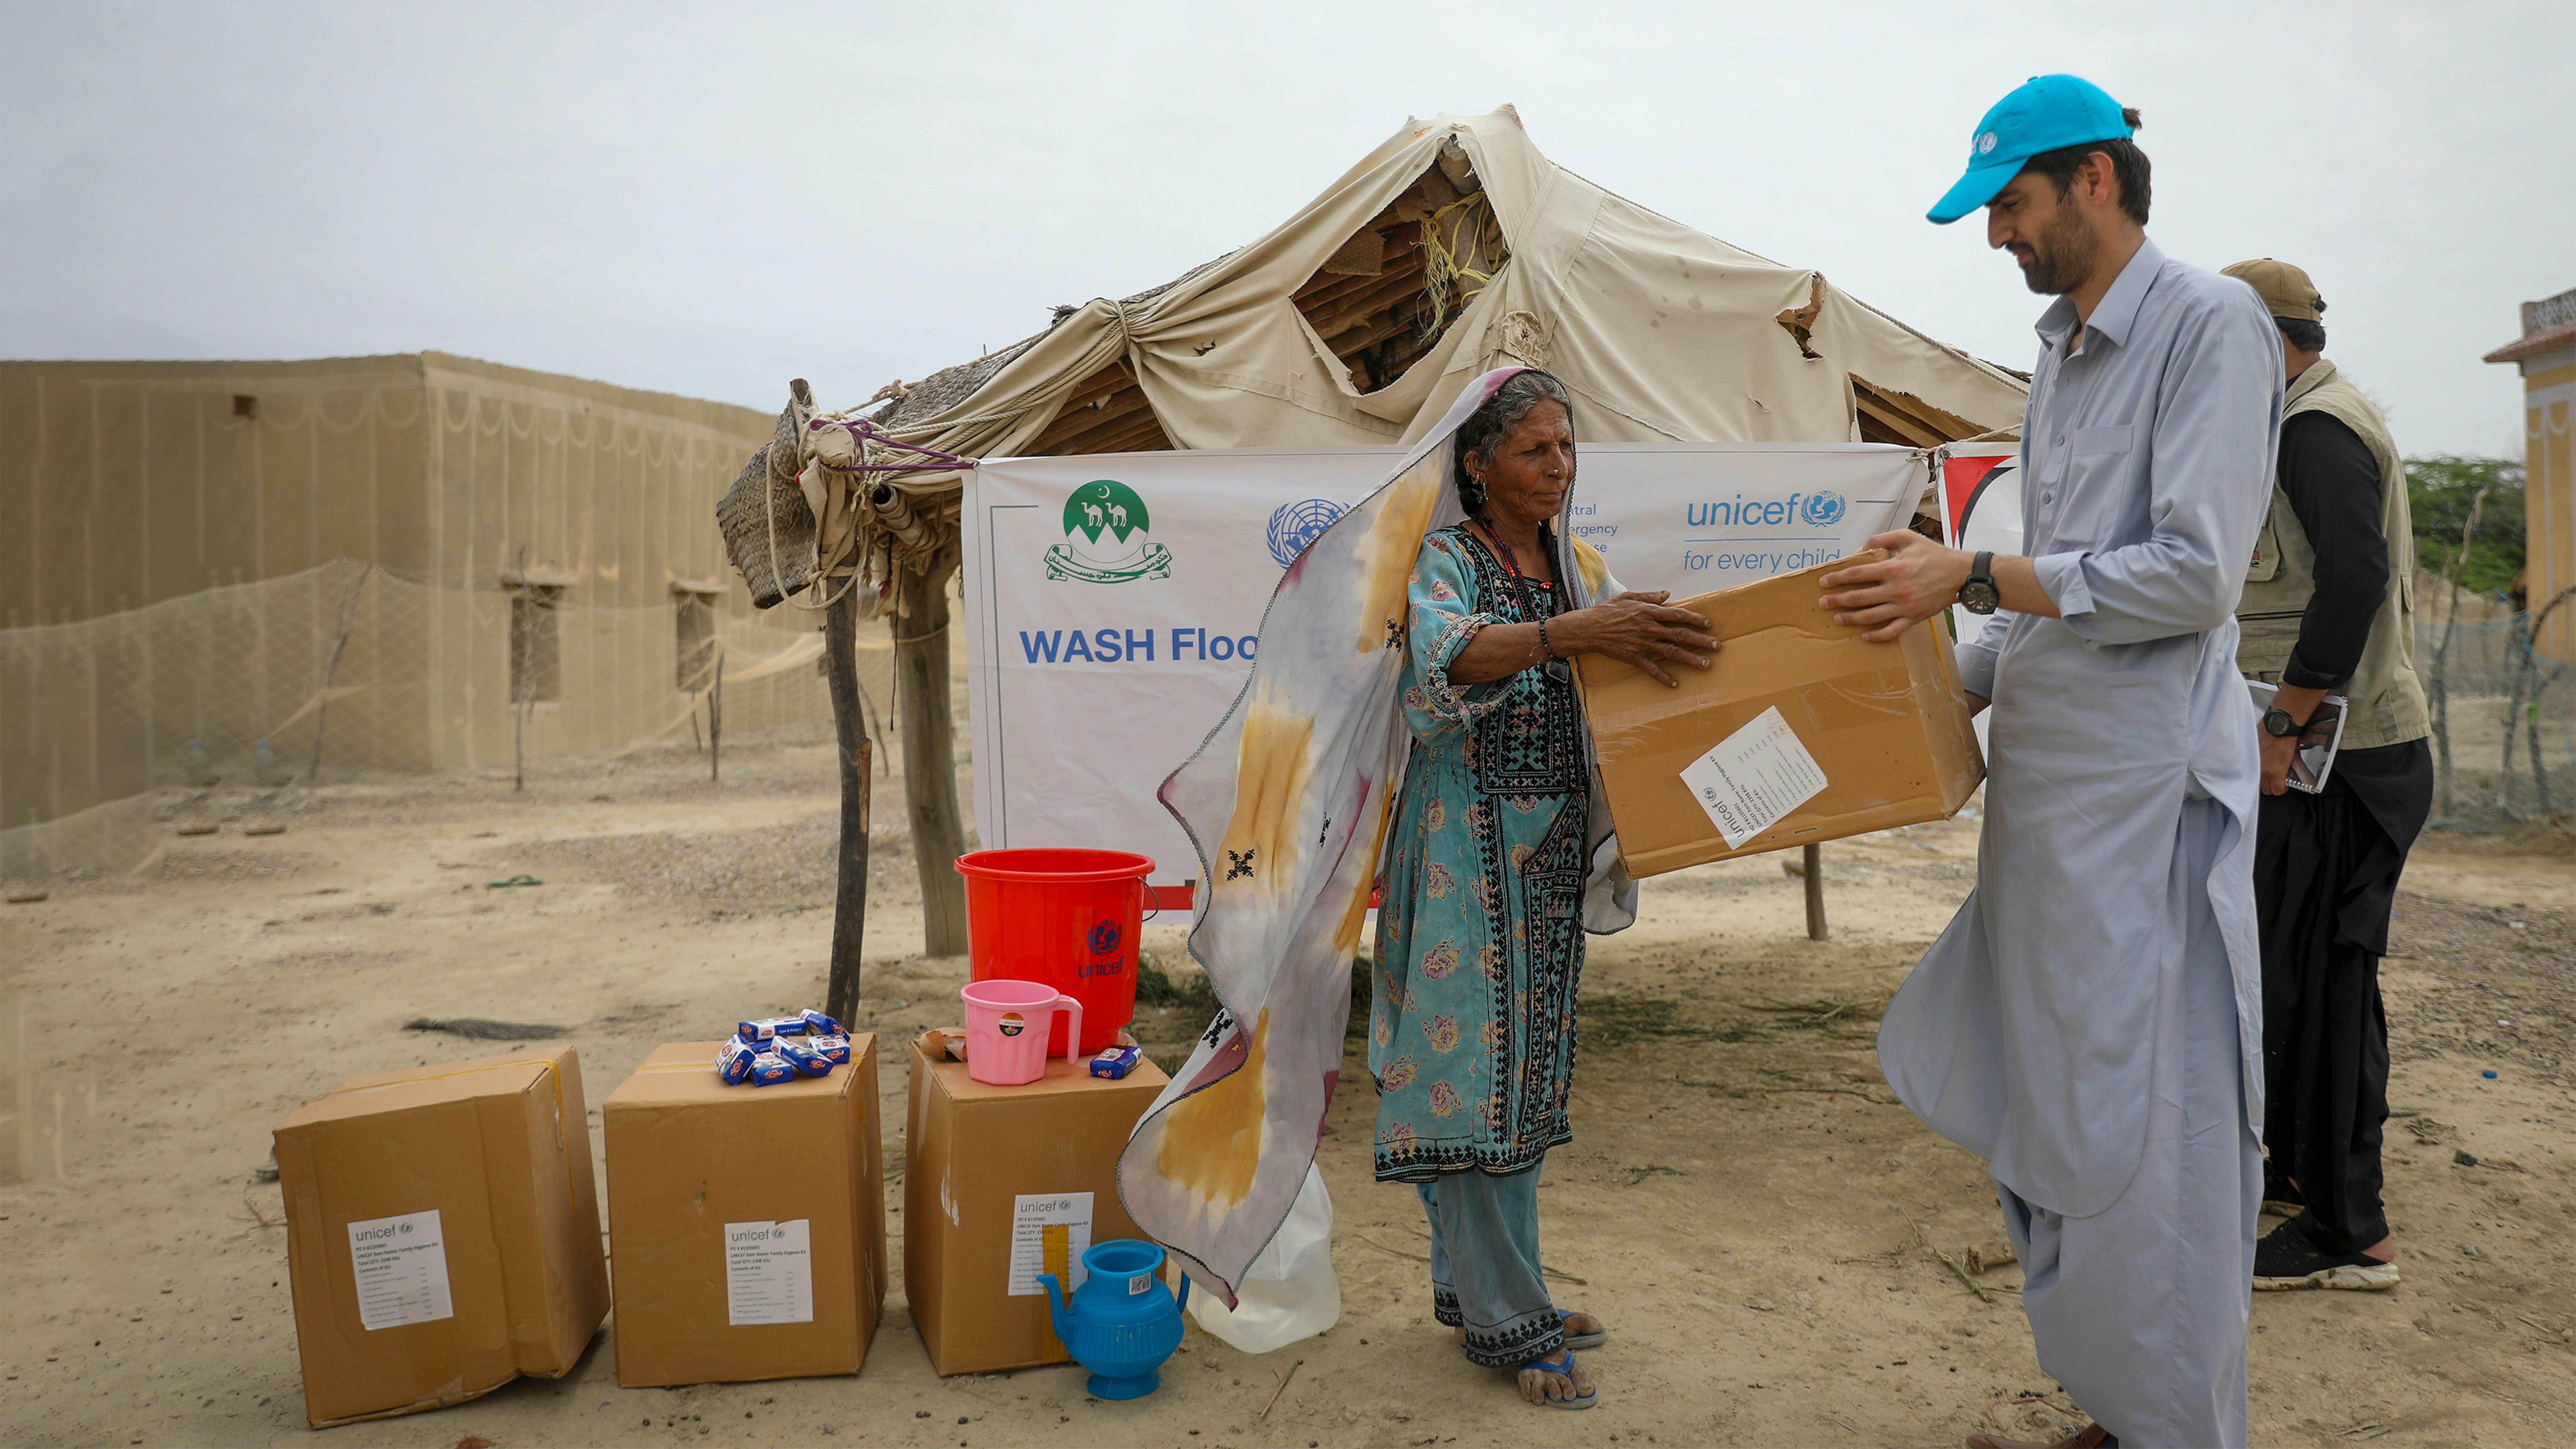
(2045, 113)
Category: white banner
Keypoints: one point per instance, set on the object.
(1113, 601)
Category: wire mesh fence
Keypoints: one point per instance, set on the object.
(2504, 723)
(348, 669)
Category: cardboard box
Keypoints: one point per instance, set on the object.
(1886, 724)
(993, 1173)
(442, 1230)
(747, 1224)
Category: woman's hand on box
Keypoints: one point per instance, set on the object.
(1638, 629)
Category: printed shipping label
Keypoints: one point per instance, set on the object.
(1050, 1231)
(1754, 777)
(401, 1267)
(769, 1272)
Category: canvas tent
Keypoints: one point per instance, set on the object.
(1451, 248)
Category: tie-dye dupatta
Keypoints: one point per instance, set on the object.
(1287, 802)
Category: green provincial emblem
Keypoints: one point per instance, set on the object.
(1106, 537)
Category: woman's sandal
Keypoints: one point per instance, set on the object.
(1562, 1365)
(1594, 1339)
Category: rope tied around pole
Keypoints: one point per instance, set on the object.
(865, 433)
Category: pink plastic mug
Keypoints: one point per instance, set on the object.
(1006, 1029)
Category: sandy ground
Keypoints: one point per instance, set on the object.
(1763, 1229)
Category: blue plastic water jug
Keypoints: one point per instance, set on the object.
(1123, 1322)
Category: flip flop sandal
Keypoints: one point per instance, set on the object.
(516, 880)
(1581, 1340)
(1563, 1364)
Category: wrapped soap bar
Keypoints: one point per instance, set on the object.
(801, 1055)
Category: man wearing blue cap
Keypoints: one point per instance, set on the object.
(2091, 1022)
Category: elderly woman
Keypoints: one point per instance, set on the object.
(1480, 939)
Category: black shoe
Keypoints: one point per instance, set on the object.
(2290, 1257)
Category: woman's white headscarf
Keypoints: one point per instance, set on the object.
(1287, 802)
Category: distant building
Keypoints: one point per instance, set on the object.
(123, 484)
(447, 562)
(2546, 353)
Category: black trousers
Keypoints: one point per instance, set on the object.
(2325, 876)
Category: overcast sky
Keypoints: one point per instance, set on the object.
(710, 200)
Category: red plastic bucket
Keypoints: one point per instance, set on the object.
(1062, 918)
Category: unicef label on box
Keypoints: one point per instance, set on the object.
(1754, 778)
(401, 1267)
(1050, 1231)
(769, 1272)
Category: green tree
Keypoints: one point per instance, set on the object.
(2442, 489)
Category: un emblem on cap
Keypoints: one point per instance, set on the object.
(1985, 143)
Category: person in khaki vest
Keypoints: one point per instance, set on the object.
(2328, 608)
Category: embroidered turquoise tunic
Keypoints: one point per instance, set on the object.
(1480, 941)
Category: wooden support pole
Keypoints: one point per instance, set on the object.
(929, 751)
(850, 899)
(322, 707)
(715, 724)
(523, 624)
(1813, 858)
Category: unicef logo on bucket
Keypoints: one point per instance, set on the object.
(1821, 510)
(1106, 959)
(1105, 537)
(1295, 525)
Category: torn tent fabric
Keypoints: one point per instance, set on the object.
(1660, 331)
(1287, 803)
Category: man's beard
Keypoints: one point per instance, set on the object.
(2061, 254)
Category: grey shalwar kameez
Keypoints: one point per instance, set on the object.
(2091, 1023)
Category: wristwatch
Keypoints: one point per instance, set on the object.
(2278, 724)
(1978, 595)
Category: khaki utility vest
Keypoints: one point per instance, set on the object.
(2387, 700)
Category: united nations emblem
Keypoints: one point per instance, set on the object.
(1295, 525)
(1105, 542)
(1822, 510)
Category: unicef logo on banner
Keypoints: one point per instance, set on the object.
(1105, 538)
(1821, 510)
(1296, 525)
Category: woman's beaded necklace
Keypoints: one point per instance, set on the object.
(1557, 669)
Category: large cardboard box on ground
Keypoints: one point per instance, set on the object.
(1001, 1184)
(746, 1224)
(442, 1230)
(1886, 724)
